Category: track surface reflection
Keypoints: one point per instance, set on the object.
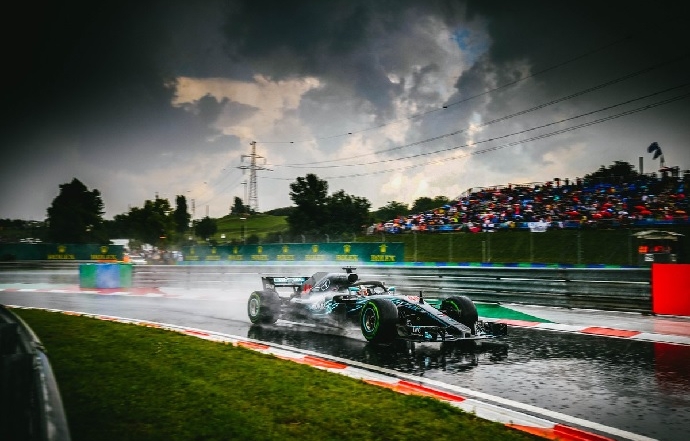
(637, 386)
(641, 387)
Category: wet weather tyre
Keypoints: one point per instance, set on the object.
(378, 320)
(462, 309)
(263, 307)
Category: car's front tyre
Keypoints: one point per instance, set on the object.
(378, 320)
(461, 309)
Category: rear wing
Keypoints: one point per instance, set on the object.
(272, 283)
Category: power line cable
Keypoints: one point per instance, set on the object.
(222, 191)
(455, 103)
(494, 121)
(514, 143)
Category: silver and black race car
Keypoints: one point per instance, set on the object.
(382, 314)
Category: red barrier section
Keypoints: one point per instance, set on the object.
(671, 288)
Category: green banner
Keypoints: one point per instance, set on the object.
(343, 252)
(60, 252)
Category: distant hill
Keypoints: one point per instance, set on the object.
(284, 211)
(232, 228)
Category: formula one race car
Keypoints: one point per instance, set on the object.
(383, 315)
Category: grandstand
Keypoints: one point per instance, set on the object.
(646, 201)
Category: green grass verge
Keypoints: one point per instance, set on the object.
(128, 382)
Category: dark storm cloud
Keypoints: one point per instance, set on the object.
(351, 43)
(541, 51)
(97, 82)
(304, 36)
(209, 108)
(210, 111)
(543, 32)
(80, 57)
(94, 84)
(110, 65)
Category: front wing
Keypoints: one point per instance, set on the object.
(484, 330)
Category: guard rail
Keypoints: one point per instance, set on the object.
(30, 403)
(620, 289)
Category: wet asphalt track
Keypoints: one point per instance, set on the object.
(636, 386)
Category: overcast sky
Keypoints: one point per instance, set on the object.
(388, 100)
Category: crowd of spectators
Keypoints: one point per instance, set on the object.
(646, 201)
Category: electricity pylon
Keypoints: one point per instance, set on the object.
(253, 167)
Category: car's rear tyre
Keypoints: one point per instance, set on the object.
(462, 309)
(378, 321)
(263, 307)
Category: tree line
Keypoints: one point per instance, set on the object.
(76, 214)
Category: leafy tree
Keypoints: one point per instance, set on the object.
(13, 230)
(119, 226)
(617, 173)
(424, 203)
(153, 224)
(181, 215)
(309, 194)
(347, 214)
(205, 228)
(238, 208)
(391, 210)
(76, 215)
(160, 222)
(318, 213)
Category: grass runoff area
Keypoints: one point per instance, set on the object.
(128, 382)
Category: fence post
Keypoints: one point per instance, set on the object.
(531, 246)
(488, 247)
(450, 247)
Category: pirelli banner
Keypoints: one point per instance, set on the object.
(386, 252)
